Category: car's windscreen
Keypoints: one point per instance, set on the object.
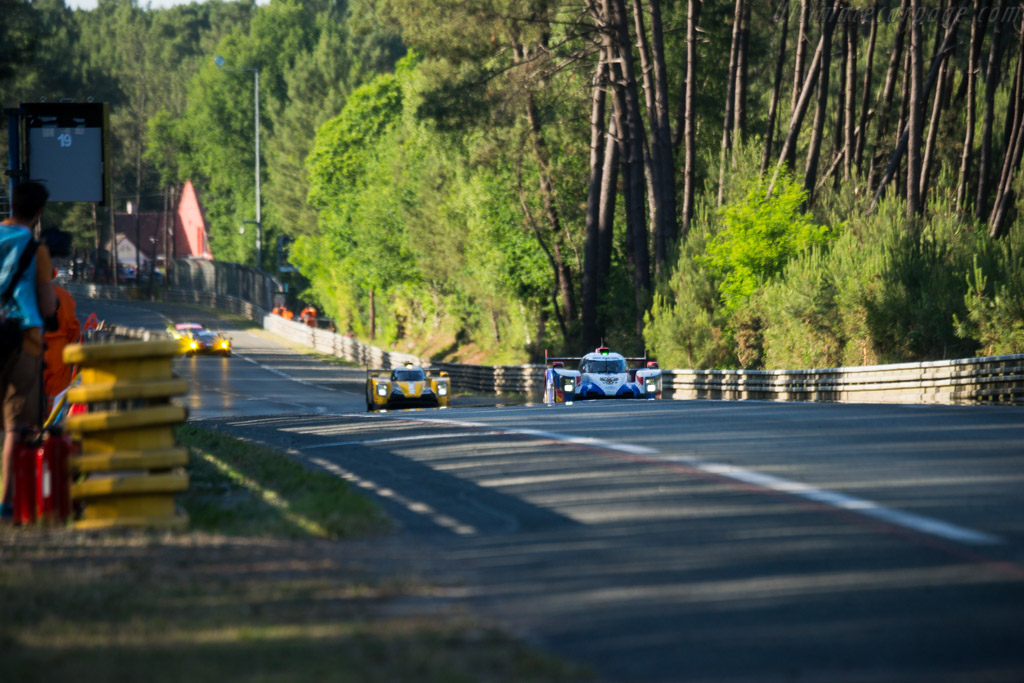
(605, 366)
(408, 375)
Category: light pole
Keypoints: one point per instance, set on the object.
(219, 61)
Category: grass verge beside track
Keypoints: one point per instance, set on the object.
(258, 590)
(237, 488)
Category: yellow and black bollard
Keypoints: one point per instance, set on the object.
(130, 467)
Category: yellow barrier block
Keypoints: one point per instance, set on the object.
(128, 440)
(123, 391)
(143, 429)
(178, 522)
(132, 464)
(160, 459)
(116, 420)
(129, 486)
(90, 354)
(127, 370)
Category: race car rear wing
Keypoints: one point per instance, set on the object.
(435, 372)
(550, 360)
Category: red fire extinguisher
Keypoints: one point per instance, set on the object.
(24, 476)
(42, 486)
(55, 451)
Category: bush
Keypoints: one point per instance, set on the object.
(994, 300)
(683, 328)
(880, 293)
(759, 284)
(759, 235)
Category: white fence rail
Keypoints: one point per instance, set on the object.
(993, 380)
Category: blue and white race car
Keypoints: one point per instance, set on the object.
(601, 374)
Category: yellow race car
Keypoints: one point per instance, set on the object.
(406, 387)
(183, 332)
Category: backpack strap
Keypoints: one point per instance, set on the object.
(23, 263)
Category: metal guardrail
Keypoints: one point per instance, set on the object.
(997, 379)
(992, 380)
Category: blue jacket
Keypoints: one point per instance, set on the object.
(23, 305)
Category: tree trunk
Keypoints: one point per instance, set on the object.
(865, 97)
(851, 99)
(662, 166)
(787, 156)
(914, 115)
(97, 242)
(991, 84)
(884, 104)
(591, 246)
(689, 126)
(554, 259)
(609, 194)
(933, 130)
(113, 247)
(730, 99)
(780, 61)
(839, 129)
(547, 194)
(1014, 148)
(821, 112)
(902, 144)
(651, 155)
(742, 68)
(801, 54)
(978, 25)
(661, 139)
(628, 101)
(373, 316)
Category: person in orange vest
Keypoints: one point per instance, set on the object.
(57, 374)
(276, 310)
(309, 316)
(286, 314)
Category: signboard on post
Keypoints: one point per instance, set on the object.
(67, 149)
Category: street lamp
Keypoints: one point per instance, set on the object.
(219, 61)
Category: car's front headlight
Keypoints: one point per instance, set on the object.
(193, 345)
(652, 386)
(382, 390)
(442, 389)
(568, 384)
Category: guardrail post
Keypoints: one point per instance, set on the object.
(130, 467)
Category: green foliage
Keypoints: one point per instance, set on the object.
(758, 237)
(878, 294)
(344, 145)
(685, 325)
(995, 297)
(19, 36)
(857, 289)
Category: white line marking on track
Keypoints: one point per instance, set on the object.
(393, 439)
(840, 501)
(415, 506)
(285, 375)
(549, 436)
(274, 370)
